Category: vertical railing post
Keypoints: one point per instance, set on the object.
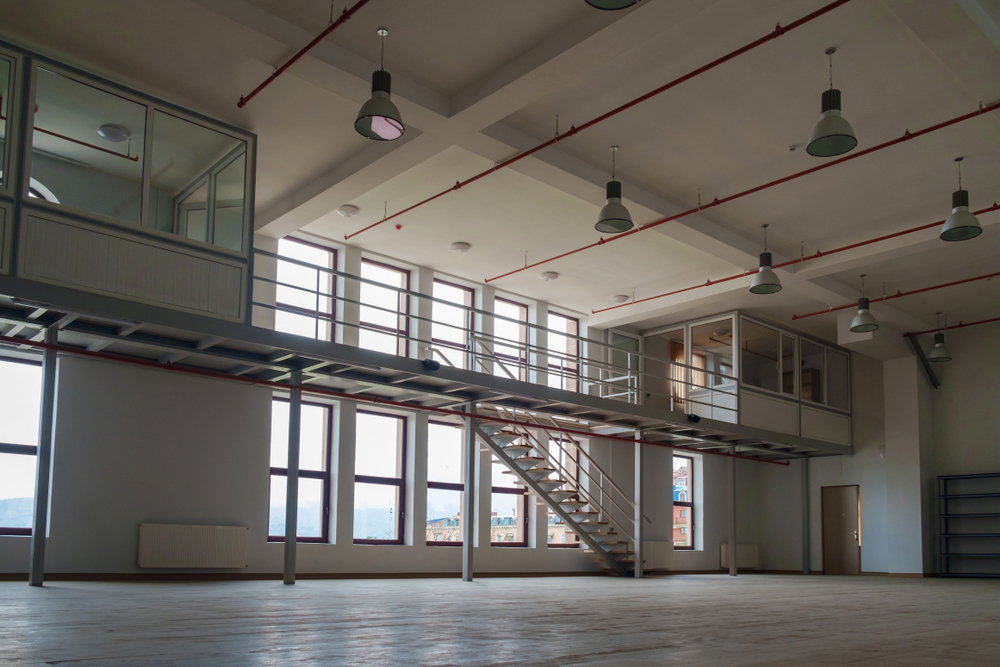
(806, 565)
(469, 497)
(639, 528)
(46, 423)
(292, 494)
(732, 513)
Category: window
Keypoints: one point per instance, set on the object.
(20, 405)
(566, 451)
(811, 359)
(825, 376)
(445, 483)
(759, 353)
(384, 321)
(314, 472)
(511, 339)
(304, 296)
(379, 486)
(452, 325)
(683, 505)
(508, 508)
(564, 352)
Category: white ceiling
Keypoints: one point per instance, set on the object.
(479, 81)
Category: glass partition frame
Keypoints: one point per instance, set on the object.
(12, 131)
(827, 349)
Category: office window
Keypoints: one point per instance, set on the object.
(508, 508)
(564, 352)
(452, 325)
(384, 320)
(304, 296)
(683, 502)
(445, 483)
(511, 339)
(20, 405)
(379, 486)
(314, 472)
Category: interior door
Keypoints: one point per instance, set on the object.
(623, 381)
(841, 529)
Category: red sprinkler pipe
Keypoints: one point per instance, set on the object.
(954, 326)
(348, 13)
(898, 295)
(310, 389)
(774, 34)
(818, 254)
(716, 202)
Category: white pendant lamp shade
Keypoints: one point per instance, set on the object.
(765, 281)
(614, 218)
(612, 4)
(379, 118)
(833, 135)
(940, 351)
(864, 321)
(961, 225)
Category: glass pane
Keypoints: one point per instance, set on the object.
(378, 341)
(229, 186)
(507, 518)
(838, 394)
(4, 112)
(17, 490)
(383, 297)
(451, 324)
(812, 372)
(313, 436)
(623, 378)
(713, 390)
(444, 516)
(513, 335)
(564, 352)
(683, 534)
(189, 161)
(20, 402)
(300, 325)
(559, 533)
(87, 148)
(379, 445)
(683, 492)
(502, 479)
(456, 357)
(788, 365)
(310, 509)
(664, 382)
(376, 512)
(759, 357)
(444, 453)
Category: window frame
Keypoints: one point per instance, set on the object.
(521, 362)
(399, 482)
(523, 502)
(576, 475)
(403, 333)
(470, 326)
(572, 383)
(24, 450)
(448, 486)
(324, 476)
(316, 314)
(686, 504)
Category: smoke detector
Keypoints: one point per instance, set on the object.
(460, 246)
(620, 298)
(113, 133)
(549, 275)
(348, 211)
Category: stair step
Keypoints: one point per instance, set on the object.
(491, 429)
(572, 505)
(504, 439)
(549, 485)
(562, 494)
(584, 515)
(525, 462)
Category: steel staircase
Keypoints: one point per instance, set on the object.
(579, 508)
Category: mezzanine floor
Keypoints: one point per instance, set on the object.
(684, 620)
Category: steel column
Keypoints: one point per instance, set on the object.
(469, 497)
(805, 516)
(40, 525)
(732, 514)
(292, 494)
(639, 528)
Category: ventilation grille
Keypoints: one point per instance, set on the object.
(164, 545)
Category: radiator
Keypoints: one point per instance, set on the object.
(746, 555)
(163, 545)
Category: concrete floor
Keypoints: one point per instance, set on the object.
(682, 620)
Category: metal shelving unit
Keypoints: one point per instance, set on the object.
(969, 513)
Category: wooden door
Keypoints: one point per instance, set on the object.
(841, 529)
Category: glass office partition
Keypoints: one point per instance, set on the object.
(837, 380)
(712, 392)
(812, 373)
(5, 71)
(759, 356)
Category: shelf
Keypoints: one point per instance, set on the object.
(979, 476)
(986, 491)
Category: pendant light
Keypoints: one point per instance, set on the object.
(961, 225)
(765, 282)
(940, 351)
(864, 321)
(614, 218)
(612, 5)
(379, 118)
(832, 135)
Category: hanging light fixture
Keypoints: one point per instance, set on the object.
(940, 351)
(612, 4)
(961, 225)
(379, 118)
(765, 282)
(832, 135)
(614, 217)
(864, 321)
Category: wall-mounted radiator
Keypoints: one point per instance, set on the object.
(165, 545)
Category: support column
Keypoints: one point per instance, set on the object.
(805, 516)
(349, 260)
(732, 513)
(469, 497)
(292, 495)
(639, 495)
(264, 292)
(46, 422)
(538, 314)
(422, 280)
(485, 300)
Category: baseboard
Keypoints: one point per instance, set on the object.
(874, 574)
(271, 576)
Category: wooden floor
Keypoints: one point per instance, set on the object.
(677, 620)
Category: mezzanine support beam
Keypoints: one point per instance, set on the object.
(46, 423)
(469, 497)
(638, 519)
(732, 514)
(292, 489)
